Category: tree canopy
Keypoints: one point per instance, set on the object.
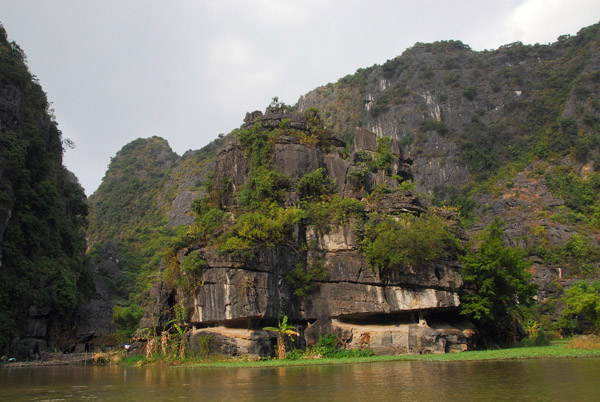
(497, 285)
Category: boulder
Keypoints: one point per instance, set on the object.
(231, 341)
(336, 299)
(398, 202)
(294, 159)
(365, 140)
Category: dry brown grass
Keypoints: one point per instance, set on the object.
(108, 357)
(587, 342)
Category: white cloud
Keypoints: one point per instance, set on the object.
(542, 21)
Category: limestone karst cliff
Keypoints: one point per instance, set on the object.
(43, 277)
(511, 132)
(298, 259)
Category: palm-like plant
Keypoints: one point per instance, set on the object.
(177, 340)
(283, 329)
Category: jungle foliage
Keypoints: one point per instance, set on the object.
(582, 310)
(262, 219)
(407, 241)
(131, 210)
(43, 269)
(498, 287)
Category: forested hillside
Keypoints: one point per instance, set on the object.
(512, 133)
(143, 203)
(43, 278)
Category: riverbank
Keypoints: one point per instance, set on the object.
(54, 359)
(68, 359)
(553, 351)
(559, 349)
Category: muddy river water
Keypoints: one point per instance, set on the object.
(526, 380)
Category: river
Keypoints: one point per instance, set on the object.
(526, 380)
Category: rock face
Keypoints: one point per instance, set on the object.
(10, 109)
(94, 318)
(42, 217)
(532, 216)
(385, 310)
(230, 341)
(455, 117)
(464, 116)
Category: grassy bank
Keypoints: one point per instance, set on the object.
(556, 350)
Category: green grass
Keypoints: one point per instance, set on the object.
(556, 350)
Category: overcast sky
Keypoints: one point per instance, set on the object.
(117, 70)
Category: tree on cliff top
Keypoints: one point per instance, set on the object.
(497, 286)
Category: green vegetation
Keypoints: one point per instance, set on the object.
(581, 195)
(267, 226)
(332, 210)
(129, 189)
(314, 185)
(328, 347)
(384, 157)
(168, 345)
(406, 241)
(42, 212)
(582, 306)
(123, 211)
(435, 125)
(283, 329)
(130, 210)
(554, 350)
(319, 133)
(498, 286)
(127, 319)
(578, 256)
(373, 162)
(205, 343)
(470, 92)
(303, 277)
(264, 184)
(262, 220)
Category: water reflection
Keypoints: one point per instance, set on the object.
(534, 380)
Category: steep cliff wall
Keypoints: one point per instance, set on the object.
(42, 218)
(509, 133)
(512, 132)
(231, 277)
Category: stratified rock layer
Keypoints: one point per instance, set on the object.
(385, 310)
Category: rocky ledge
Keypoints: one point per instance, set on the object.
(391, 311)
